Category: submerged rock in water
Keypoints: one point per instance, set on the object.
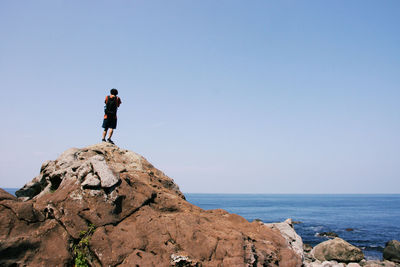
(114, 208)
(328, 234)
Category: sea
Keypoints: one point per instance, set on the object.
(366, 221)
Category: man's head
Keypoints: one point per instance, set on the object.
(114, 91)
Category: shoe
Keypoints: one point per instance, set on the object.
(103, 140)
(110, 141)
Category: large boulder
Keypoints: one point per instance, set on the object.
(106, 206)
(338, 250)
(392, 251)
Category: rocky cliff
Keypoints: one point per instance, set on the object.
(106, 206)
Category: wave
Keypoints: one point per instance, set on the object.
(316, 228)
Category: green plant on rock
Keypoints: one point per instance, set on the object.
(81, 248)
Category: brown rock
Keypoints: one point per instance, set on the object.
(5, 195)
(139, 214)
(337, 249)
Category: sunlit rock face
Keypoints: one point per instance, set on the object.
(139, 216)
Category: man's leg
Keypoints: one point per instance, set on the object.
(105, 133)
(110, 133)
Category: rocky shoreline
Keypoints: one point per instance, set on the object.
(105, 206)
(335, 252)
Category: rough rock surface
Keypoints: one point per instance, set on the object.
(392, 251)
(139, 217)
(293, 240)
(323, 264)
(337, 249)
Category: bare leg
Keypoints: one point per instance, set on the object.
(104, 134)
(110, 133)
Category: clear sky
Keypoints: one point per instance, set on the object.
(222, 96)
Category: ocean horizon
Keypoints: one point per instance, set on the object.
(367, 221)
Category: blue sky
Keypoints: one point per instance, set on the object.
(223, 96)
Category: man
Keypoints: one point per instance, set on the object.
(110, 114)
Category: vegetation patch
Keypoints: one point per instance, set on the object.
(81, 248)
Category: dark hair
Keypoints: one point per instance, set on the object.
(114, 91)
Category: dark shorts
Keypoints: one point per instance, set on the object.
(110, 123)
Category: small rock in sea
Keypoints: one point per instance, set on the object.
(349, 229)
(328, 234)
(297, 222)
